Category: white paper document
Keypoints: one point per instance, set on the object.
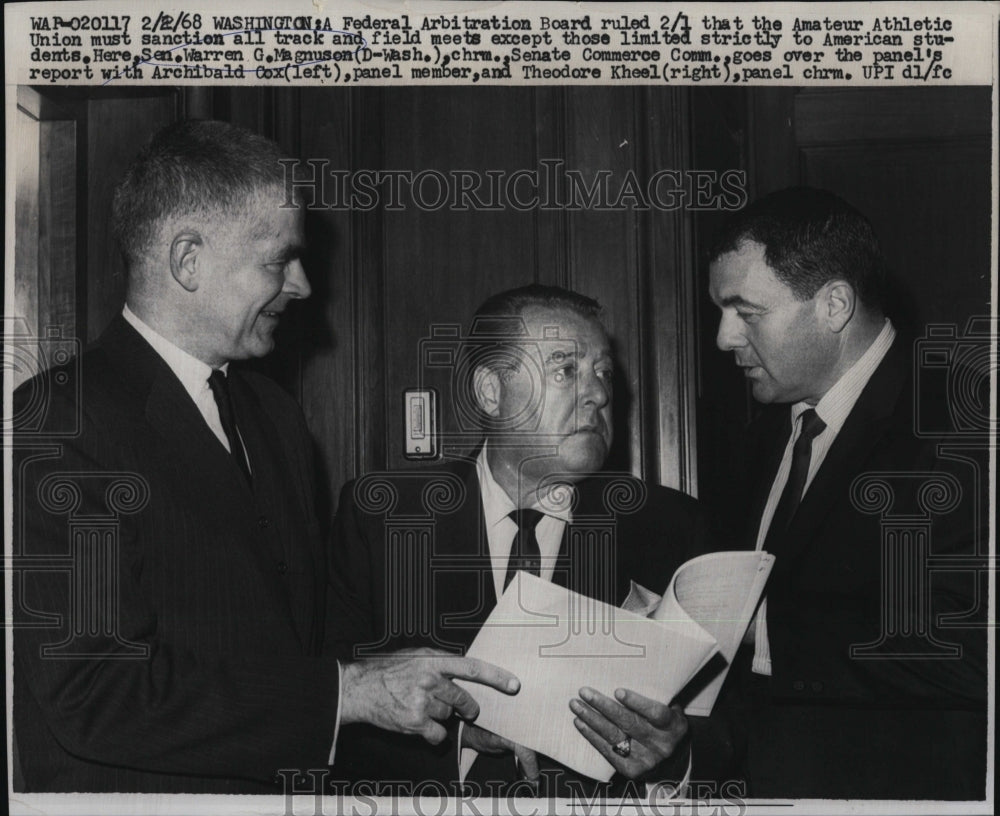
(557, 641)
(719, 592)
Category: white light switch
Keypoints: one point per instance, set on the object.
(420, 423)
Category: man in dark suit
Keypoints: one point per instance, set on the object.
(424, 556)
(865, 674)
(170, 593)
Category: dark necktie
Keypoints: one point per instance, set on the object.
(227, 415)
(812, 426)
(524, 552)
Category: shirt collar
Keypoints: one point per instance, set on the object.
(497, 505)
(837, 403)
(192, 372)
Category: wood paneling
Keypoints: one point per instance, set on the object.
(667, 303)
(116, 129)
(604, 244)
(772, 148)
(440, 264)
(331, 378)
(45, 212)
(877, 114)
(57, 228)
(29, 285)
(720, 126)
(930, 205)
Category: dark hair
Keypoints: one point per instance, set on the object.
(809, 237)
(193, 166)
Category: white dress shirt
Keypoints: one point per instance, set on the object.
(191, 371)
(833, 408)
(501, 528)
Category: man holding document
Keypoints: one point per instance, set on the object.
(530, 500)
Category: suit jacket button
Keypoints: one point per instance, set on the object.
(799, 685)
(817, 685)
(282, 568)
(263, 522)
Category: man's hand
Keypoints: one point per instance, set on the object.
(412, 691)
(655, 730)
(486, 742)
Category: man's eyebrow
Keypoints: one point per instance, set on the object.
(291, 252)
(558, 355)
(739, 300)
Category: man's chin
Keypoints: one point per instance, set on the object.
(262, 345)
(583, 452)
(762, 392)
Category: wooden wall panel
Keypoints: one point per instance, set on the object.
(117, 126)
(57, 230)
(668, 300)
(920, 172)
(441, 264)
(29, 284)
(328, 348)
(604, 243)
(930, 205)
(936, 113)
(720, 125)
(45, 275)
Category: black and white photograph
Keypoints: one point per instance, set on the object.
(452, 408)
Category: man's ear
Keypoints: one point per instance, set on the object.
(486, 390)
(837, 303)
(184, 251)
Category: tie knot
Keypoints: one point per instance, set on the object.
(526, 519)
(217, 380)
(812, 425)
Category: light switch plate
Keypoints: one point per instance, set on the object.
(420, 423)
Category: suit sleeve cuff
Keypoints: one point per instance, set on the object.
(660, 792)
(466, 757)
(336, 722)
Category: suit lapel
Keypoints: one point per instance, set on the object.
(867, 423)
(174, 416)
(273, 490)
(169, 409)
(463, 575)
(268, 458)
(200, 457)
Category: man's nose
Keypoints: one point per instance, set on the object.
(595, 390)
(296, 282)
(730, 335)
